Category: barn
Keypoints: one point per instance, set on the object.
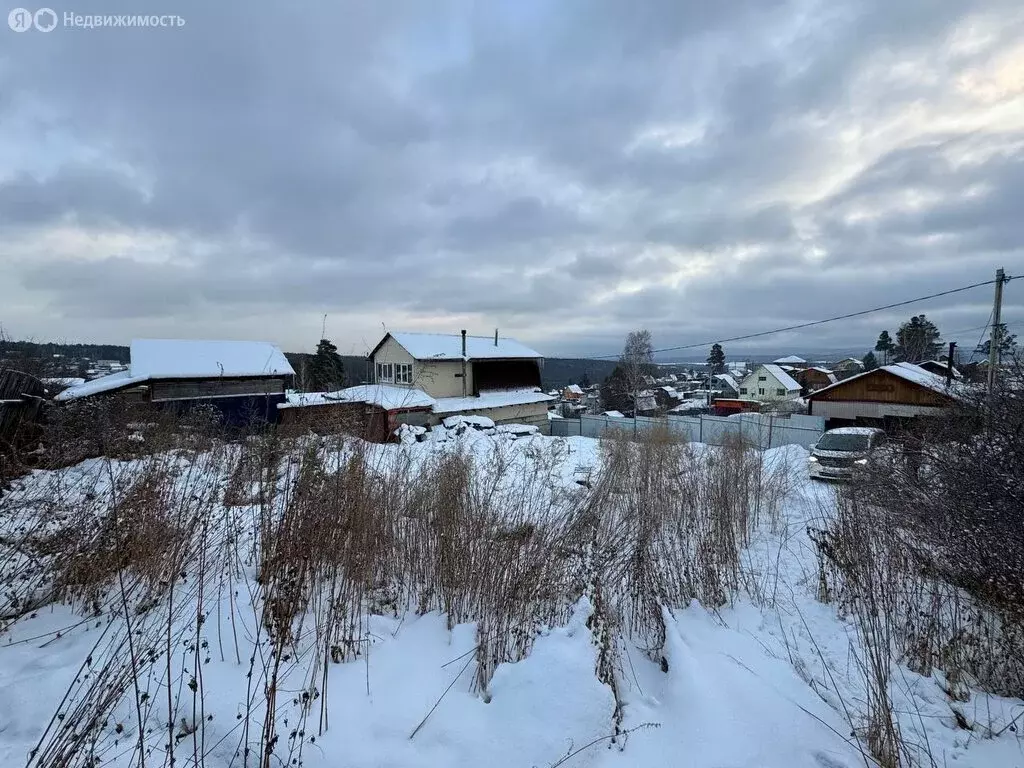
(243, 380)
(882, 397)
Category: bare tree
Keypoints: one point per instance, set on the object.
(637, 363)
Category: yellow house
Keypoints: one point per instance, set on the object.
(473, 375)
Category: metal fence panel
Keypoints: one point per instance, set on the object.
(759, 430)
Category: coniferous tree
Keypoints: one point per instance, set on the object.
(918, 340)
(326, 369)
(716, 360)
(885, 346)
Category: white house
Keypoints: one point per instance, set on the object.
(769, 382)
(476, 375)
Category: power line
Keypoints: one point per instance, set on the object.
(981, 338)
(816, 322)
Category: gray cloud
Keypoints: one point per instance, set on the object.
(565, 171)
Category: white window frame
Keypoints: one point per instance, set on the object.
(385, 373)
(403, 373)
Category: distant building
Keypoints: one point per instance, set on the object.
(572, 392)
(815, 378)
(939, 368)
(848, 367)
(769, 382)
(791, 360)
(728, 384)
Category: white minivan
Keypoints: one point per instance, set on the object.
(839, 451)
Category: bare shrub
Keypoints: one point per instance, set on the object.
(925, 553)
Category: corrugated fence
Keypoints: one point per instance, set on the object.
(759, 430)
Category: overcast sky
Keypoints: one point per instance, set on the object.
(564, 171)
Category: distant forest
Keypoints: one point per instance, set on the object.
(557, 372)
(30, 349)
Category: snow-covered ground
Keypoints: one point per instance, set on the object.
(772, 679)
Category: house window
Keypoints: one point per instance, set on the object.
(760, 391)
(403, 373)
(385, 372)
(762, 378)
(780, 392)
(743, 390)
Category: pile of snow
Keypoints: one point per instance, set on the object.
(517, 430)
(410, 433)
(479, 422)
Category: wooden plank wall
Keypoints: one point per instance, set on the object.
(882, 387)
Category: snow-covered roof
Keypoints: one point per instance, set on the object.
(187, 359)
(728, 379)
(440, 346)
(495, 399)
(782, 377)
(907, 372)
(118, 380)
(575, 389)
(789, 360)
(70, 381)
(390, 398)
(855, 431)
(614, 414)
(944, 364)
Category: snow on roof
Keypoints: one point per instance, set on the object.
(440, 346)
(576, 389)
(614, 414)
(790, 360)
(390, 398)
(495, 399)
(71, 381)
(907, 372)
(187, 358)
(782, 377)
(109, 383)
(855, 431)
(728, 379)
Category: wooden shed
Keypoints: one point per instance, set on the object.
(882, 396)
(813, 379)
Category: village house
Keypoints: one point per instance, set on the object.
(883, 397)
(940, 368)
(727, 384)
(573, 392)
(769, 382)
(791, 361)
(851, 366)
(496, 377)
(243, 380)
(815, 378)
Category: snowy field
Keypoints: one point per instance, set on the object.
(213, 669)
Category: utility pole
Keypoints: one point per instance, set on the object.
(949, 363)
(994, 339)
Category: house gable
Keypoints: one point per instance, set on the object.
(882, 386)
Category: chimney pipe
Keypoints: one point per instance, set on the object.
(464, 392)
(495, 337)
